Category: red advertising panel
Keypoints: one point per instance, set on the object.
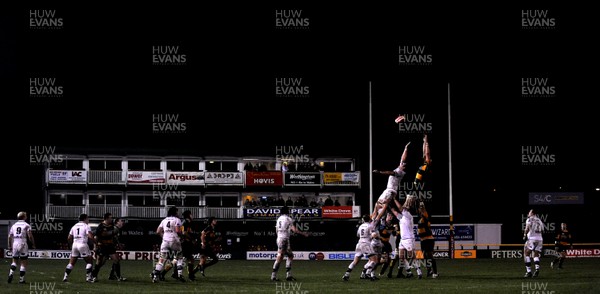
(575, 253)
(337, 211)
(265, 178)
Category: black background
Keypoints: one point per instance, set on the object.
(225, 93)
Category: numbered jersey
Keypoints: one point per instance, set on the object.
(170, 226)
(283, 226)
(364, 232)
(19, 231)
(80, 233)
(536, 228)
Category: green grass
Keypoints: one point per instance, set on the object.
(316, 277)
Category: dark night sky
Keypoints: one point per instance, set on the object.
(225, 91)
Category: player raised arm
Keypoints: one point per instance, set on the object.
(396, 212)
(404, 156)
(376, 209)
(398, 204)
(379, 215)
(400, 166)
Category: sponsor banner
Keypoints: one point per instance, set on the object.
(271, 255)
(337, 211)
(265, 178)
(465, 254)
(304, 255)
(271, 212)
(332, 178)
(441, 232)
(325, 255)
(185, 178)
(350, 177)
(552, 198)
(441, 254)
(341, 179)
(67, 176)
(145, 177)
(437, 254)
(223, 178)
(550, 252)
(302, 179)
(507, 253)
(125, 255)
(577, 253)
(220, 256)
(336, 255)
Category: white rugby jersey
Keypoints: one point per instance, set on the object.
(536, 228)
(364, 232)
(395, 179)
(283, 226)
(376, 241)
(80, 232)
(169, 226)
(19, 231)
(406, 225)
